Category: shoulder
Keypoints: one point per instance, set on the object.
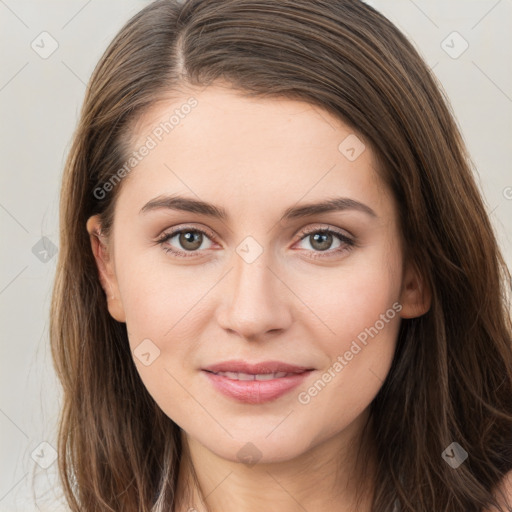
(503, 493)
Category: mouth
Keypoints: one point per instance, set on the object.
(261, 368)
(251, 376)
(255, 383)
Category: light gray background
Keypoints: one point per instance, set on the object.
(40, 100)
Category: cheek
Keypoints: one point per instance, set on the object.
(350, 299)
(362, 313)
(359, 361)
(161, 300)
(164, 309)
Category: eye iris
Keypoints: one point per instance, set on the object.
(191, 237)
(325, 241)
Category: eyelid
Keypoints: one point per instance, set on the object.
(302, 232)
(325, 227)
(186, 227)
(349, 240)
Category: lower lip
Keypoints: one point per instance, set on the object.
(256, 391)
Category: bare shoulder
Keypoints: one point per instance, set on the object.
(504, 493)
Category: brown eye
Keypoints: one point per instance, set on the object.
(185, 241)
(321, 241)
(190, 240)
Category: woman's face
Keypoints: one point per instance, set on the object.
(264, 281)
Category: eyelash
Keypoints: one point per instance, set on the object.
(349, 243)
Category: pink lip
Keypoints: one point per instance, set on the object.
(254, 391)
(255, 368)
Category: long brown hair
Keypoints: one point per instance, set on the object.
(451, 377)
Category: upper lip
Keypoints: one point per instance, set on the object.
(256, 368)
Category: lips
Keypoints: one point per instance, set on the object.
(237, 366)
(255, 383)
(251, 376)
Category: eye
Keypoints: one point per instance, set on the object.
(322, 239)
(190, 239)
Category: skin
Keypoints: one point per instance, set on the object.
(255, 158)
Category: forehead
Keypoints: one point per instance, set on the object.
(217, 143)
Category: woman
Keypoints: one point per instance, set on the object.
(278, 286)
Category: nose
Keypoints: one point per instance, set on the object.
(257, 302)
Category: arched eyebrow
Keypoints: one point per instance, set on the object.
(186, 204)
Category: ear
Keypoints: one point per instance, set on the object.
(415, 296)
(102, 252)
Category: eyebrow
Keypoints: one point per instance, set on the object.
(186, 204)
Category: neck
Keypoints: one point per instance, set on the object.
(327, 477)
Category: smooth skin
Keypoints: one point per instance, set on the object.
(297, 302)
